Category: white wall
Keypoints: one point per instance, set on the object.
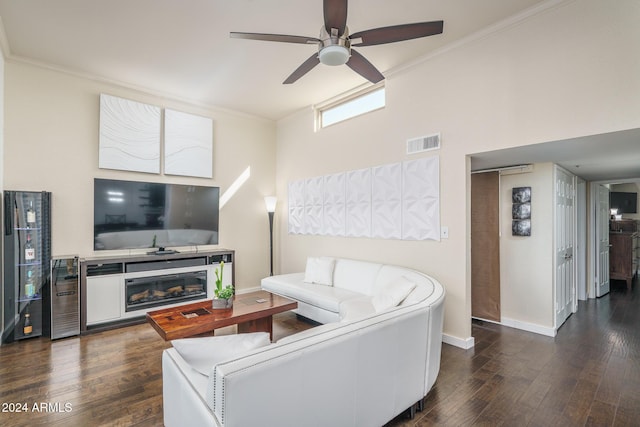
(51, 143)
(572, 70)
(526, 263)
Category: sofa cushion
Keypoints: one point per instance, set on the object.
(356, 276)
(392, 294)
(424, 286)
(321, 296)
(202, 354)
(319, 270)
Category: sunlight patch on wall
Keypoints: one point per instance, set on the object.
(233, 188)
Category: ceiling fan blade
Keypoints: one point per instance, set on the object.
(396, 33)
(275, 38)
(335, 15)
(303, 69)
(360, 65)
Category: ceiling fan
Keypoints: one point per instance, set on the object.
(334, 42)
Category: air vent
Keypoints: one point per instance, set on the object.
(423, 143)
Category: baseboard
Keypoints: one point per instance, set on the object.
(120, 323)
(529, 327)
(463, 343)
(246, 291)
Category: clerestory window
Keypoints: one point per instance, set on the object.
(351, 106)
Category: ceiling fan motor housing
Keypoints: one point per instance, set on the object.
(333, 49)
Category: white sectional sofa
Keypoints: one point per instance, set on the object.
(376, 355)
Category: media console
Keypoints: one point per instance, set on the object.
(119, 290)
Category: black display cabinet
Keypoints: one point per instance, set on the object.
(27, 257)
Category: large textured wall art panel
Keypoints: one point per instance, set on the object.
(394, 201)
(129, 135)
(386, 201)
(421, 199)
(334, 222)
(313, 205)
(296, 207)
(188, 144)
(358, 203)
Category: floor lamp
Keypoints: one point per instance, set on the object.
(270, 202)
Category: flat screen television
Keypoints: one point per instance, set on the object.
(133, 214)
(626, 203)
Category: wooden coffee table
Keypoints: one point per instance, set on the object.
(252, 312)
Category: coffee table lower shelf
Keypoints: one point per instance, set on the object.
(252, 312)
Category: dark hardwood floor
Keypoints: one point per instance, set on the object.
(589, 375)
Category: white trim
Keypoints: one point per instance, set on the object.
(495, 322)
(529, 327)
(508, 170)
(463, 343)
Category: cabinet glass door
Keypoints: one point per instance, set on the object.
(27, 254)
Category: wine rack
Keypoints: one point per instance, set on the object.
(27, 253)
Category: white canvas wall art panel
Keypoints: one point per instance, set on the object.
(358, 203)
(334, 215)
(188, 144)
(393, 201)
(296, 207)
(313, 205)
(421, 199)
(129, 135)
(386, 201)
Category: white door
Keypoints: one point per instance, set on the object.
(564, 244)
(602, 243)
(581, 240)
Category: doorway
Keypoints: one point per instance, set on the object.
(485, 246)
(524, 280)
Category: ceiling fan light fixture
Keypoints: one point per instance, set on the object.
(334, 55)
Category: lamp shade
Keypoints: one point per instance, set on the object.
(270, 203)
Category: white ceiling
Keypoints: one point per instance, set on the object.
(182, 50)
